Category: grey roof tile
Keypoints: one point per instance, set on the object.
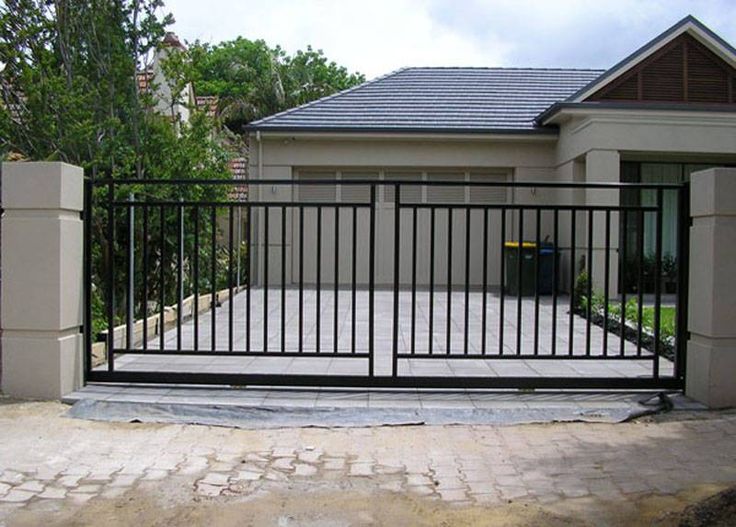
(438, 99)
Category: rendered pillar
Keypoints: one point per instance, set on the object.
(42, 279)
(711, 350)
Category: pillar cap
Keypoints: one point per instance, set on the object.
(42, 185)
(713, 192)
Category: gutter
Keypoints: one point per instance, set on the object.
(543, 118)
(544, 130)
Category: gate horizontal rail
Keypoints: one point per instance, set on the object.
(483, 282)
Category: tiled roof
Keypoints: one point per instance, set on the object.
(438, 100)
(208, 103)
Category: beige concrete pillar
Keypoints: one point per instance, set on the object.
(42, 298)
(602, 166)
(711, 350)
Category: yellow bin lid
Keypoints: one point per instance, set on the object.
(515, 245)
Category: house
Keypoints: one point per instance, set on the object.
(662, 112)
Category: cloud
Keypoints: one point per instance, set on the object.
(378, 36)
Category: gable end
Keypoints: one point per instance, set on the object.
(683, 71)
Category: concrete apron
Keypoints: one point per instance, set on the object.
(257, 408)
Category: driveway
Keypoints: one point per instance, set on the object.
(60, 471)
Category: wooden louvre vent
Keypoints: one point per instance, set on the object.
(682, 71)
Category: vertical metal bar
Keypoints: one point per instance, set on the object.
(238, 243)
(502, 279)
(248, 254)
(371, 280)
(573, 242)
(555, 276)
(537, 254)
(283, 279)
(467, 279)
(318, 328)
(179, 273)
(414, 213)
(130, 287)
(354, 274)
(484, 314)
(144, 278)
(683, 265)
(162, 281)
(111, 277)
(336, 312)
(266, 269)
(448, 335)
(301, 278)
(622, 270)
(213, 279)
(397, 278)
(589, 284)
(658, 283)
(431, 278)
(230, 236)
(195, 256)
(520, 282)
(607, 279)
(639, 279)
(87, 216)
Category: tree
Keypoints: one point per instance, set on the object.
(70, 92)
(253, 80)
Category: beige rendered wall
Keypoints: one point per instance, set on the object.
(42, 279)
(283, 157)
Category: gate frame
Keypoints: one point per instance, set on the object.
(394, 380)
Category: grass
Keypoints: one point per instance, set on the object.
(666, 318)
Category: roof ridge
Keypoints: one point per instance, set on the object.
(511, 68)
(327, 97)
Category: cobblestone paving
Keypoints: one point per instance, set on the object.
(47, 458)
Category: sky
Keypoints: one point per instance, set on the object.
(376, 37)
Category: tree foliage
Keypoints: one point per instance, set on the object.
(253, 80)
(70, 89)
(70, 92)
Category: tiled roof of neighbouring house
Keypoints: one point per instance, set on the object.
(438, 100)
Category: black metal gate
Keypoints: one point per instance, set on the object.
(553, 285)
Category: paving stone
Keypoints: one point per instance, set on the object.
(124, 480)
(32, 486)
(304, 470)
(11, 477)
(334, 464)
(361, 469)
(249, 475)
(310, 456)
(53, 493)
(69, 481)
(216, 478)
(283, 463)
(17, 496)
(206, 489)
(272, 475)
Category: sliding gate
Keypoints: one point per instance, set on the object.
(555, 285)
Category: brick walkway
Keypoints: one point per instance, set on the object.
(48, 459)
